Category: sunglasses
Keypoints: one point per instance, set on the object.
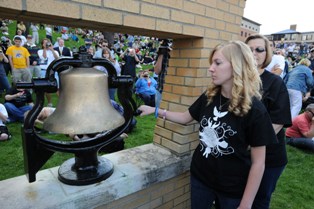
(258, 49)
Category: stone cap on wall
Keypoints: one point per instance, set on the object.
(134, 169)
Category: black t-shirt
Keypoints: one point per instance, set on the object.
(34, 55)
(276, 100)
(21, 100)
(222, 159)
(130, 65)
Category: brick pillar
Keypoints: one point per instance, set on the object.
(187, 78)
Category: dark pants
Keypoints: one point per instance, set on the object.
(267, 187)
(202, 197)
(302, 143)
(112, 92)
(49, 37)
(4, 82)
(16, 113)
(148, 99)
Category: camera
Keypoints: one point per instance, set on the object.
(165, 47)
(48, 45)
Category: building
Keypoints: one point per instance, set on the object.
(283, 37)
(292, 36)
(248, 27)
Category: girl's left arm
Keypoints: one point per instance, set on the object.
(255, 176)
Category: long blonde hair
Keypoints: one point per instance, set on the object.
(246, 80)
(305, 62)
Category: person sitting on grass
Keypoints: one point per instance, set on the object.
(146, 87)
(4, 132)
(301, 133)
(17, 102)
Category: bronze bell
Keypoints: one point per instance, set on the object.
(84, 106)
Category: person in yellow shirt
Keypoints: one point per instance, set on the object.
(21, 26)
(19, 61)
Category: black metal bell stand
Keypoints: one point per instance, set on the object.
(86, 167)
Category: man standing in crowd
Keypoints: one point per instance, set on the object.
(46, 55)
(101, 45)
(19, 61)
(23, 38)
(34, 28)
(34, 67)
(131, 60)
(62, 50)
(48, 30)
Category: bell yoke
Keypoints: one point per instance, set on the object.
(83, 108)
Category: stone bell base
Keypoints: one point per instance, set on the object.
(144, 177)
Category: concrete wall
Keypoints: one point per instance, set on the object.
(196, 27)
(148, 176)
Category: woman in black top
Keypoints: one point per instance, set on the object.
(228, 163)
(276, 100)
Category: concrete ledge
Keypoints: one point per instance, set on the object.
(135, 169)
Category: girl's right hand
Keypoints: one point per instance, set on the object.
(146, 110)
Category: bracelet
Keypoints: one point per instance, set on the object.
(164, 114)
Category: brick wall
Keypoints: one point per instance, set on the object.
(196, 27)
(173, 193)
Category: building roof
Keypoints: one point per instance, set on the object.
(287, 31)
(256, 23)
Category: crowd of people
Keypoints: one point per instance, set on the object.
(251, 109)
(24, 56)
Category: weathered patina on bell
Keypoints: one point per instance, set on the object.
(84, 105)
(83, 108)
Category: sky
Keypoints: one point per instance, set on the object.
(278, 15)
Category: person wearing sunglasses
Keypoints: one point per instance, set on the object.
(301, 133)
(276, 100)
(234, 128)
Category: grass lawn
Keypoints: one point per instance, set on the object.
(294, 190)
(12, 152)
